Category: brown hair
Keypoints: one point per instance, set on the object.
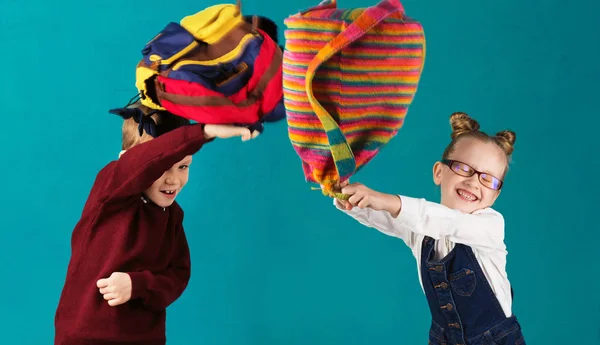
(266, 24)
(463, 126)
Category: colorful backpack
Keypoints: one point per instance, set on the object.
(349, 77)
(213, 68)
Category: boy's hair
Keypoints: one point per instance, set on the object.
(463, 126)
(131, 135)
(142, 124)
(265, 24)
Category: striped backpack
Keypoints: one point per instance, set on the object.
(349, 77)
(214, 68)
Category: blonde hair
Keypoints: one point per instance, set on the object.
(157, 122)
(463, 126)
(130, 129)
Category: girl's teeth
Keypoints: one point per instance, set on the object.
(466, 196)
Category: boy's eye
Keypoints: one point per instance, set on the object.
(183, 167)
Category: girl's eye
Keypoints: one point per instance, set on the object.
(487, 177)
(462, 168)
(465, 168)
(183, 167)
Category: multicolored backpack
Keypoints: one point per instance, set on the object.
(213, 68)
(349, 77)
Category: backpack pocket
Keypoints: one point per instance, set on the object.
(227, 74)
(169, 45)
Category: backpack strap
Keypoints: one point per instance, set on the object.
(340, 149)
(176, 41)
(269, 53)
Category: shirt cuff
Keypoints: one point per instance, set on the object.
(353, 211)
(139, 284)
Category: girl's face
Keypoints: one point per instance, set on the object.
(487, 164)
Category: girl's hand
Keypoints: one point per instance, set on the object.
(228, 131)
(116, 289)
(363, 197)
(343, 203)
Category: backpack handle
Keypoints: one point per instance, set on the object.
(332, 4)
(343, 156)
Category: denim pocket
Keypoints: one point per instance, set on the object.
(513, 338)
(519, 339)
(463, 281)
(437, 335)
(488, 339)
(435, 341)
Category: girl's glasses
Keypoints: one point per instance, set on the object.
(466, 170)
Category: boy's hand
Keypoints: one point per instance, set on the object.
(228, 131)
(116, 288)
(364, 197)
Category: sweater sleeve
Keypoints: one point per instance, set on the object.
(158, 290)
(138, 168)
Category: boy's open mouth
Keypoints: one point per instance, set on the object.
(168, 193)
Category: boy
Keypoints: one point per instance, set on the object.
(130, 258)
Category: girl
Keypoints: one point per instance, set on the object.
(458, 244)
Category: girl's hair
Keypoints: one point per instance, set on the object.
(463, 126)
(164, 122)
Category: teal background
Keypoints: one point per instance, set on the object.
(273, 261)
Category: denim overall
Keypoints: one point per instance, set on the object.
(464, 309)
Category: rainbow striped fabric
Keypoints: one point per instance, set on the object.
(349, 77)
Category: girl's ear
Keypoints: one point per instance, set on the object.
(437, 173)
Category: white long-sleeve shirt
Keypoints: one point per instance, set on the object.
(482, 230)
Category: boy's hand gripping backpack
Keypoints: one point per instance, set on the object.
(349, 77)
(213, 68)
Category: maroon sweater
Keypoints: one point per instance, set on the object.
(121, 231)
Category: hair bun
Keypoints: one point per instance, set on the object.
(506, 139)
(462, 123)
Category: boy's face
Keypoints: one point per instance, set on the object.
(164, 190)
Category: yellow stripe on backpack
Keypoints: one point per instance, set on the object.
(212, 23)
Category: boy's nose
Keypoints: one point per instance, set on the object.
(172, 180)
